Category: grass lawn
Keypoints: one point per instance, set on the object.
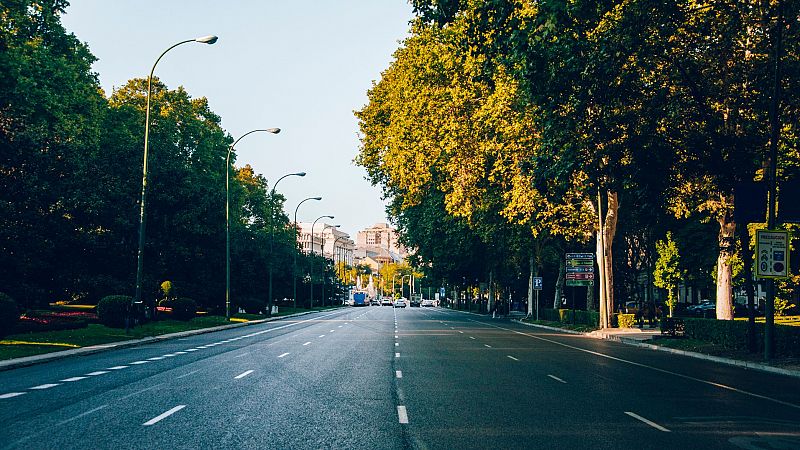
(29, 344)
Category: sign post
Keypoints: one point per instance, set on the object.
(537, 286)
(580, 272)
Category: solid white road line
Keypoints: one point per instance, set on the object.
(45, 386)
(164, 415)
(652, 424)
(307, 343)
(557, 379)
(99, 372)
(12, 394)
(283, 354)
(74, 379)
(117, 368)
(397, 355)
(398, 373)
(243, 374)
(402, 415)
(81, 415)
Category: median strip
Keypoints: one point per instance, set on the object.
(163, 415)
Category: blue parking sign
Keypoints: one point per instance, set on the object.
(537, 283)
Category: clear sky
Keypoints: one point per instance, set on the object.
(303, 66)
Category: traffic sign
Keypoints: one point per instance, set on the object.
(537, 283)
(580, 269)
(772, 253)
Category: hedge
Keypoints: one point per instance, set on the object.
(582, 317)
(9, 314)
(732, 334)
(112, 310)
(625, 320)
(182, 308)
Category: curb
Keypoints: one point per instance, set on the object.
(637, 343)
(52, 356)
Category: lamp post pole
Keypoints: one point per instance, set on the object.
(294, 261)
(142, 209)
(339, 275)
(228, 219)
(311, 263)
(272, 235)
(322, 252)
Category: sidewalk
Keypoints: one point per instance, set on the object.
(52, 356)
(637, 337)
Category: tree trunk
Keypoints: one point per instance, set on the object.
(727, 247)
(604, 313)
(590, 298)
(609, 231)
(559, 286)
(491, 302)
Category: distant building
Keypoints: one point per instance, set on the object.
(378, 245)
(337, 244)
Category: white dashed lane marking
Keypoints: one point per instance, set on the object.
(136, 363)
(11, 394)
(651, 423)
(99, 372)
(117, 368)
(44, 386)
(511, 357)
(283, 354)
(402, 415)
(74, 379)
(242, 375)
(397, 355)
(398, 373)
(557, 379)
(487, 345)
(307, 343)
(163, 415)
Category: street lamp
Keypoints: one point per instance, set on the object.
(228, 220)
(324, 278)
(272, 233)
(311, 300)
(401, 285)
(339, 268)
(142, 210)
(294, 261)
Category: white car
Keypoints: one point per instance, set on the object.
(400, 303)
(427, 302)
(386, 301)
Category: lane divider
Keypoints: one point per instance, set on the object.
(649, 422)
(163, 415)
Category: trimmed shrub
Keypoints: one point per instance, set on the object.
(183, 308)
(28, 324)
(626, 320)
(9, 314)
(732, 334)
(112, 310)
(582, 317)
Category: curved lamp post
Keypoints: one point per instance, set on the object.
(272, 234)
(142, 210)
(322, 252)
(228, 220)
(339, 269)
(311, 299)
(294, 260)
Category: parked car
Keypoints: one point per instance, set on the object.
(386, 301)
(375, 302)
(414, 303)
(427, 303)
(400, 303)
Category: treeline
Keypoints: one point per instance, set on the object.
(70, 182)
(505, 132)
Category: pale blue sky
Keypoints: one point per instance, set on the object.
(300, 66)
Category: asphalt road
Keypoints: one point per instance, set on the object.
(379, 377)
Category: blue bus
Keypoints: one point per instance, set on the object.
(360, 298)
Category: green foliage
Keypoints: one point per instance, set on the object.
(9, 314)
(625, 320)
(667, 273)
(113, 309)
(590, 318)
